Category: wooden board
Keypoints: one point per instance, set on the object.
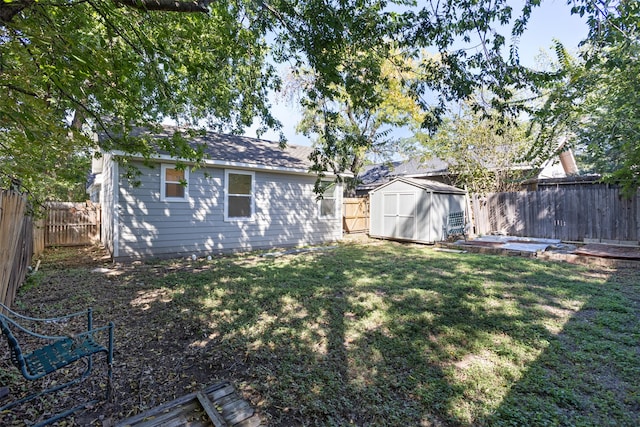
(609, 251)
(218, 405)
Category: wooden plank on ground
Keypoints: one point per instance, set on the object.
(161, 415)
(237, 411)
(190, 409)
(220, 392)
(253, 421)
(211, 411)
(609, 251)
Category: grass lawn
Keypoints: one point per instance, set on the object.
(368, 334)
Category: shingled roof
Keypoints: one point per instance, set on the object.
(375, 175)
(242, 150)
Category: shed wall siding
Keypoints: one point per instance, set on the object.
(424, 214)
(431, 212)
(442, 206)
(286, 214)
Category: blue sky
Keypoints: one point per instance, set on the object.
(552, 20)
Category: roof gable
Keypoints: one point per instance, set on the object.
(374, 175)
(424, 184)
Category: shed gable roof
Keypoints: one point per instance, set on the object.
(374, 175)
(424, 184)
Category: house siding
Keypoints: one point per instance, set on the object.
(107, 201)
(286, 214)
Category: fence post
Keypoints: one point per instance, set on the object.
(38, 237)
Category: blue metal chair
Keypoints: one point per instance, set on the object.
(58, 353)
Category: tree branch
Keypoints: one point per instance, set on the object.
(19, 89)
(8, 10)
(194, 6)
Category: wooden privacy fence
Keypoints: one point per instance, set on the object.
(570, 213)
(71, 224)
(355, 215)
(16, 244)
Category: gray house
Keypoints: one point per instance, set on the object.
(413, 209)
(249, 194)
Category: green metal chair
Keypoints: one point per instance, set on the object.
(60, 351)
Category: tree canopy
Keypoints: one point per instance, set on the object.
(351, 131)
(69, 66)
(593, 101)
(482, 154)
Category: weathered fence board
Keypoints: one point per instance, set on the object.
(38, 237)
(23, 256)
(355, 215)
(571, 213)
(71, 224)
(13, 261)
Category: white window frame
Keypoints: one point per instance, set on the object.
(335, 202)
(164, 182)
(252, 204)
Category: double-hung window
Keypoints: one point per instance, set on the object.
(327, 204)
(239, 196)
(174, 185)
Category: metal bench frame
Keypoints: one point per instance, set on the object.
(60, 352)
(456, 224)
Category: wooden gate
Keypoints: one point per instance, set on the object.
(72, 224)
(355, 215)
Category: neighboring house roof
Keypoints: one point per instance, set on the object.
(373, 176)
(242, 151)
(425, 184)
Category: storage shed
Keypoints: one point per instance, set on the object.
(413, 209)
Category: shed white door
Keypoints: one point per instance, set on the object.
(399, 215)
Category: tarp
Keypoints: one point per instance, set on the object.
(514, 243)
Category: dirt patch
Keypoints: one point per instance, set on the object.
(154, 359)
